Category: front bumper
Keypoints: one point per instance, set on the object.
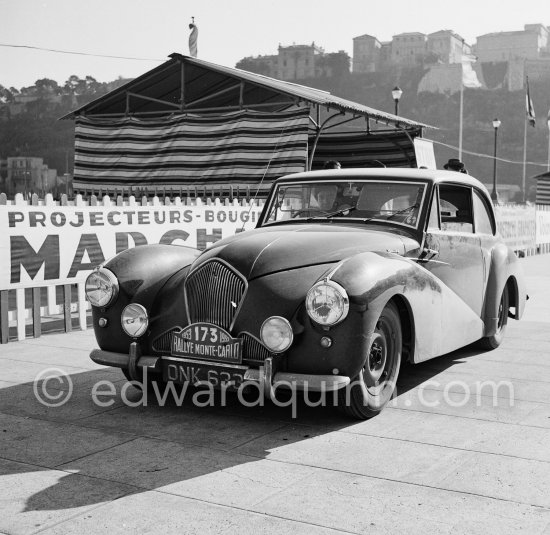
(264, 375)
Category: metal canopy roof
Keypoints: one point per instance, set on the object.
(189, 85)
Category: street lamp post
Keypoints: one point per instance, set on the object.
(494, 193)
(548, 123)
(396, 94)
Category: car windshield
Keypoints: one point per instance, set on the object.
(366, 200)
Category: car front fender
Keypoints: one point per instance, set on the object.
(439, 319)
(141, 273)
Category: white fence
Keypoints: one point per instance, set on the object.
(49, 247)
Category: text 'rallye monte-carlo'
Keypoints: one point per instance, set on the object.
(348, 274)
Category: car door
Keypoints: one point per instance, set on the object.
(452, 249)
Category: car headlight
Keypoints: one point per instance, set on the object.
(276, 334)
(134, 320)
(327, 303)
(101, 287)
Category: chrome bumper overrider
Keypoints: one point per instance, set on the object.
(263, 375)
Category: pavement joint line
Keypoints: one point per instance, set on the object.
(483, 452)
(473, 372)
(76, 515)
(68, 472)
(261, 513)
(351, 432)
(48, 365)
(64, 422)
(73, 369)
(132, 439)
(422, 485)
(432, 364)
(471, 418)
(431, 389)
(60, 420)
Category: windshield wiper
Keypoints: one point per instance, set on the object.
(415, 205)
(391, 215)
(328, 215)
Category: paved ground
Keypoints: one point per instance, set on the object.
(436, 461)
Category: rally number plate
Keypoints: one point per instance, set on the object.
(206, 341)
(203, 373)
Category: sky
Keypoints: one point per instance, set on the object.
(229, 30)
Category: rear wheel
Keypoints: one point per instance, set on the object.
(493, 341)
(372, 388)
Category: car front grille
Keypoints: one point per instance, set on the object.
(253, 349)
(163, 343)
(214, 292)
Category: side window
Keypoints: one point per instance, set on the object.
(433, 220)
(455, 207)
(483, 220)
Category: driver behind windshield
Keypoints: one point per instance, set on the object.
(325, 197)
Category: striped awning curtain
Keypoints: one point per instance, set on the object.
(393, 149)
(242, 147)
(543, 191)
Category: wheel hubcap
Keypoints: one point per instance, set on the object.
(376, 361)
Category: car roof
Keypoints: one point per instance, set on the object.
(435, 176)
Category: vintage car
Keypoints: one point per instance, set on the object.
(348, 273)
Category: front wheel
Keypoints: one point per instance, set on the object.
(369, 392)
(492, 342)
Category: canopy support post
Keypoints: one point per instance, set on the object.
(318, 130)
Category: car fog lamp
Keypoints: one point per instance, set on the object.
(101, 287)
(326, 342)
(134, 320)
(276, 334)
(327, 303)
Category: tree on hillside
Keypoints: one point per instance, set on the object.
(256, 66)
(46, 86)
(334, 65)
(7, 95)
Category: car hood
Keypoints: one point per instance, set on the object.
(270, 249)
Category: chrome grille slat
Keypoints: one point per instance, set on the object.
(163, 343)
(253, 349)
(210, 289)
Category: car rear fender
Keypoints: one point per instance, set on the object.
(505, 269)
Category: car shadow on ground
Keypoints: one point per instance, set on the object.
(131, 443)
(414, 375)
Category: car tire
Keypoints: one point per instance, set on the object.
(492, 342)
(370, 391)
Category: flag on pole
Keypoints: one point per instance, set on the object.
(193, 38)
(529, 109)
(469, 76)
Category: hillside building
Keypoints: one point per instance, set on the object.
(530, 43)
(366, 54)
(408, 49)
(292, 62)
(27, 174)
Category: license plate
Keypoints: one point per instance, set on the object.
(207, 341)
(195, 373)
